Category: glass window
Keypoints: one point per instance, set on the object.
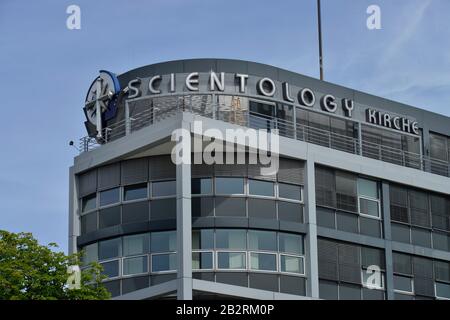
(135, 212)
(203, 239)
(291, 243)
(402, 283)
(262, 240)
(164, 188)
(260, 188)
(135, 265)
(163, 209)
(134, 192)
(163, 241)
(202, 207)
(201, 186)
(202, 260)
(367, 188)
(109, 217)
(134, 245)
(89, 202)
(229, 186)
(263, 261)
(231, 260)
(289, 191)
(90, 253)
(230, 207)
(290, 211)
(438, 147)
(109, 196)
(111, 268)
(292, 264)
(164, 262)
(231, 239)
(262, 208)
(369, 207)
(88, 222)
(109, 249)
(346, 191)
(443, 290)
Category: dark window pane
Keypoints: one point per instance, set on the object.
(135, 212)
(346, 191)
(202, 207)
(231, 260)
(347, 222)
(291, 243)
(90, 254)
(202, 260)
(203, 239)
(441, 241)
(135, 283)
(262, 240)
(440, 211)
(263, 261)
(402, 263)
(261, 188)
(201, 186)
(399, 203)
(88, 222)
(292, 285)
(231, 239)
(369, 294)
(399, 296)
(349, 292)
(89, 202)
(326, 218)
(418, 202)
(164, 262)
(163, 209)
(230, 207)
(138, 191)
(442, 271)
(372, 256)
(229, 185)
(438, 147)
(325, 187)
(421, 237)
(402, 283)
(163, 241)
(109, 196)
(109, 217)
(109, 249)
(261, 208)
(113, 287)
(111, 268)
(328, 290)
(289, 211)
(135, 245)
(370, 227)
(164, 188)
(135, 265)
(400, 233)
(289, 191)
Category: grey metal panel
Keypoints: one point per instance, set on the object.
(293, 227)
(109, 176)
(269, 224)
(87, 183)
(202, 170)
(161, 167)
(231, 222)
(233, 278)
(262, 281)
(291, 171)
(236, 170)
(134, 171)
(202, 222)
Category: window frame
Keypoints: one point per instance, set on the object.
(251, 195)
(231, 251)
(377, 200)
(278, 197)
(160, 254)
(134, 274)
(272, 253)
(119, 264)
(212, 259)
(411, 279)
(118, 202)
(124, 201)
(96, 207)
(244, 187)
(153, 197)
(302, 257)
(435, 290)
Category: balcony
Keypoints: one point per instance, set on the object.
(147, 111)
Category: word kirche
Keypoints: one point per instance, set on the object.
(267, 88)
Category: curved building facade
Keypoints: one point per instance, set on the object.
(358, 208)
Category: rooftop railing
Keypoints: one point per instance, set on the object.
(165, 107)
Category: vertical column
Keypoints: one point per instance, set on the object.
(387, 235)
(312, 267)
(74, 218)
(184, 224)
(127, 119)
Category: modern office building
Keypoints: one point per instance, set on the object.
(362, 191)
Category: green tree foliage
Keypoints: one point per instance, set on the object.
(29, 270)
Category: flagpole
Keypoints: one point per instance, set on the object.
(319, 22)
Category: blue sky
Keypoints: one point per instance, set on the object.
(46, 69)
